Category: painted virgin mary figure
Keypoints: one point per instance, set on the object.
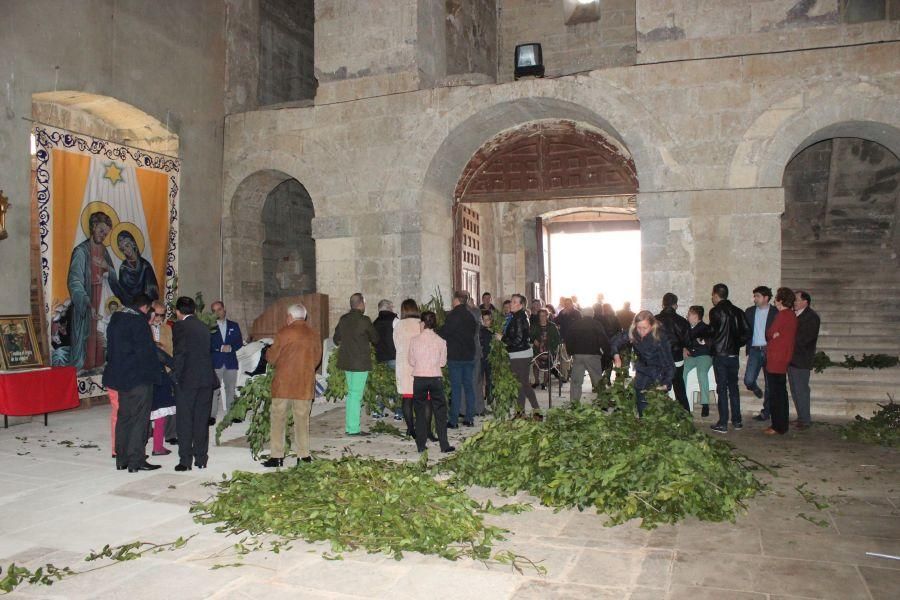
(136, 275)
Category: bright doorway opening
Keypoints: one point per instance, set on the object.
(588, 263)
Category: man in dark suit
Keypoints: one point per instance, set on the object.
(759, 318)
(224, 341)
(132, 368)
(804, 354)
(195, 380)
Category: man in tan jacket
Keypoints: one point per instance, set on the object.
(295, 354)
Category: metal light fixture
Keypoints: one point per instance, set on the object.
(529, 60)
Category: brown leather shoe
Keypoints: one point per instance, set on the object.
(769, 431)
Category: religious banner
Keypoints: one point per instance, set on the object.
(107, 218)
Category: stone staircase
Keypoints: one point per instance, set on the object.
(855, 288)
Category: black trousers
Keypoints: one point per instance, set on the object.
(520, 368)
(678, 386)
(171, 428)
(193, 406)
(778, 401)
(422, 387)
(132, 421)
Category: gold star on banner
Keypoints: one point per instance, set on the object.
(113, 173)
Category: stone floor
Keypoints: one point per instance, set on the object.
(61, 497)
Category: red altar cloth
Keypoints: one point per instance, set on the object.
(38, 392)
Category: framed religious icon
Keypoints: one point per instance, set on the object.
(18, 344)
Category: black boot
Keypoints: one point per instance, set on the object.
(273, 462)
(409, 418)
(705, 411)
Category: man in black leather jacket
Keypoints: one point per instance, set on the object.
(730, 332)
(517, 338)
(678, 331)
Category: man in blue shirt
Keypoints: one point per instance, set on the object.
(759, 317)
(225, 341)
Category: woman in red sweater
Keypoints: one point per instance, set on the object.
(780, 339)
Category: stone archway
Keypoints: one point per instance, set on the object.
(104, 117)
(510, 181)
(257, 235)
(840, 242)
(289, 250)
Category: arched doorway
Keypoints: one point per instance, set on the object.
(840, 243)
(515, 181)
(268, 248)
(289, 250)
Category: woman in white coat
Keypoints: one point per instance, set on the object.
(408, 327)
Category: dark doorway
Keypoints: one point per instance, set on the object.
(289, 250)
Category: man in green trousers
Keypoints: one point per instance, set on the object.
(354, 336)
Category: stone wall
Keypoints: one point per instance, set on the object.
(374, 42)
(471, 37)
(286, 51)
(679, 29)
(607, 42)
(130, 51)
(289, 251)
(709, 138)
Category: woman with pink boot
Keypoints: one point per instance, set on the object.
(163, 395)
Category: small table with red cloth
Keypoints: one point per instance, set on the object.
(40, 391)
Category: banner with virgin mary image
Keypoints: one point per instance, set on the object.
(107, 218)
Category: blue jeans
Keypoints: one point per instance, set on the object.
(756, 362)
(461, 372)
(726, 370)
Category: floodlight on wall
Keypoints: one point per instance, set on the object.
(529, 60)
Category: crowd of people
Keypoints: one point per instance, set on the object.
(162, 377)
(168, 374)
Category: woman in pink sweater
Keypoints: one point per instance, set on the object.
(427, 354)
(408, 327)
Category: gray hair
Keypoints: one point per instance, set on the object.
(385, 305)
(297, 311)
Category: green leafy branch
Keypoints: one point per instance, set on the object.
(48, 574)
(883, 428)
(868, 361)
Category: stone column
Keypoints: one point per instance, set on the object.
(694, 239)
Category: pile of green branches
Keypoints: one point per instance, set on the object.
(357, 503)
(254, 398)
(868, 361)
(658, 468)
(882, 429)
